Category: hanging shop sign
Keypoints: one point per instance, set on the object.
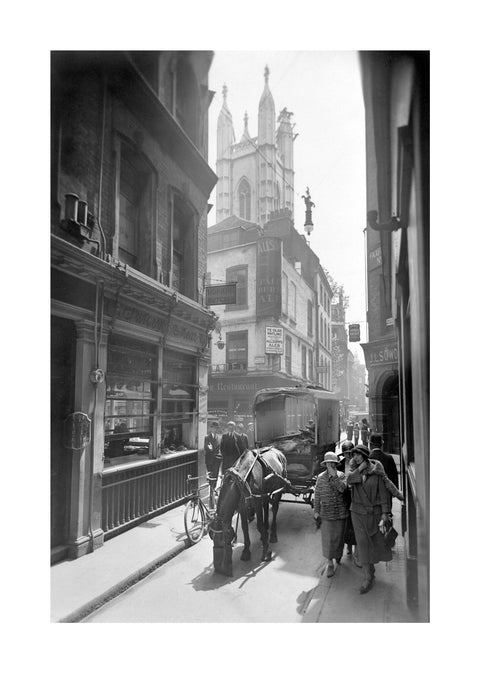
(269, 277)
(354, 332)
(274, 339)
(221, 294)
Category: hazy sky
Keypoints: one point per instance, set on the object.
(323, 90)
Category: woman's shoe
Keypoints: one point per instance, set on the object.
(338, 560)
(330, 570)
(366, 585)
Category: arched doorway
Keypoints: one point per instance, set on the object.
(390, 412)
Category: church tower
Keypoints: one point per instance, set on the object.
(225, 142)
(255, 175)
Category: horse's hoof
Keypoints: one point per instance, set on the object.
(273, 538)
(267, 556)
(246, 555)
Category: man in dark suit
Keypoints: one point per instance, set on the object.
(230, 446)
(386, 459)
(243, 437)
(213, 458)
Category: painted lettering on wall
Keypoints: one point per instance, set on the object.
(383, 355)
(269, 277)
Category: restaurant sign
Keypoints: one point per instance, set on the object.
(274, 339)
(221, 294)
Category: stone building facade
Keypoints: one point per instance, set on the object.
(130, 331)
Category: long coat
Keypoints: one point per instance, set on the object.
(231, 449)
(370, 499)
(213, 457)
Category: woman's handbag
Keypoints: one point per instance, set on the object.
(390, 536)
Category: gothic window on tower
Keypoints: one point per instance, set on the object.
(276, 201)
(244, 200)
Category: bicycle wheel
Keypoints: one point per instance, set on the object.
(194, 520)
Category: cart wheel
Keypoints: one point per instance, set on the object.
(194, 520)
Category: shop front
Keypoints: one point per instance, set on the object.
(131, 357)
(381, 359)
(231, 397)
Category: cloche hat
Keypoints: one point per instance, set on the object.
(329, 457)
(361, 449)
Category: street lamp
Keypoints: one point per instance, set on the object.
(220, 343)
(308, 226)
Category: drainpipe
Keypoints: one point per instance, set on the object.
(97, 376)
(100, 176)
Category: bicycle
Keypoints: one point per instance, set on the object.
(197, 516)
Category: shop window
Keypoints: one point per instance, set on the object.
(239, 275)
(288, 355)
(304, 362)
(237, 351)
(244, 199)
(130, 405)
(179, 393)
(184, 248)
(309, 318)
(135, 209)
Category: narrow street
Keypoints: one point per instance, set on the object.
(291, 588)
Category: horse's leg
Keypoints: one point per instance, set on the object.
(273, 529)
(266, 506)
(246, 537)
(267, 554)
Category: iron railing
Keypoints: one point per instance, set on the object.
(134, 494)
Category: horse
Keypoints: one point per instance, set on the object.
(258, 477)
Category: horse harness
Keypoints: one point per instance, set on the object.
(268, 471)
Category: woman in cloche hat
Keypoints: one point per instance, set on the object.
(330, 507)
(370, 506)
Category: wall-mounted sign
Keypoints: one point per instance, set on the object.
(221, 294)
(381, 354)
(269, 277)
(274, 339)
(354, 332)
(375, 258)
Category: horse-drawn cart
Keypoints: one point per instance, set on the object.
(303, 423)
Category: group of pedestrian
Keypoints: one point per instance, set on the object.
(353, 502)
(223, 449)
(358, 431)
